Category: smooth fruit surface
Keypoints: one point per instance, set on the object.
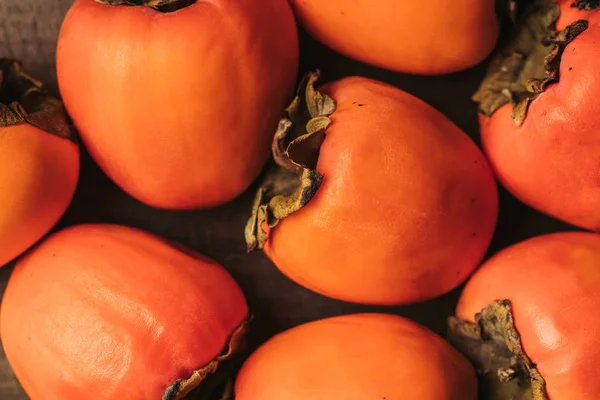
(38, 177)
(357, 357)
(407, 207)
(178, 108)
(408, 36)
(553, 283)
(109, 312)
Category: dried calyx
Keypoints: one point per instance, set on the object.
(292, 179)
(494, 347)
(23, 99)
(213, 381)
(586, 5)
(165, 6)
(529, 62)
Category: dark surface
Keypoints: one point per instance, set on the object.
(28, 31)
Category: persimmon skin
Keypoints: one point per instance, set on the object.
(440, 37)
(551, 161)
(407, 207)
(109, 312)
(356, 357)
(553, 282)
(38, 177)
(178, 108)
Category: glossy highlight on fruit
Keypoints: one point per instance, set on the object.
(357, 357)
(39, 161)
(177, 105)
(552, 283)
(393, 203)
(435, 37)
(106, 312)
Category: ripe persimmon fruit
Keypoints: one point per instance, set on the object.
(106, 312)
(176, 100)
(374, 196)
(357, 357)
(39, 161)
(538, 111)
(528, 319)
(437, 37)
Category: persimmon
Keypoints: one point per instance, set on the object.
(109, 312)
(438, 37)
(374, 196)
(176, 100)
(39, 160)
(528, 319)
(357, 357)
(538, 109)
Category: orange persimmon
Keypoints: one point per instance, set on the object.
(538, 112)
(176, 100)
(540, 297)
(109, 312)
(436, 37)
(357, 357)
(377, 197)
(39, 161)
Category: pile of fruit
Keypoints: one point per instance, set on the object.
(365, 194)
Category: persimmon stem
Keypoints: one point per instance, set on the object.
(165, 6)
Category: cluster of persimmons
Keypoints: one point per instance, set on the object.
(369, 195)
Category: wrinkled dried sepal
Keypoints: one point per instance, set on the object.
(529, 63)
(212, 381)
(557, 42)
(493, 345)
(292, 180)
(586, 5)
(10, 115)
(23, 99)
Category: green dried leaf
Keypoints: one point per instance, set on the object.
(24, 99)
(493, 345)
(528, 63)
(304, 151)
(292, 180)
